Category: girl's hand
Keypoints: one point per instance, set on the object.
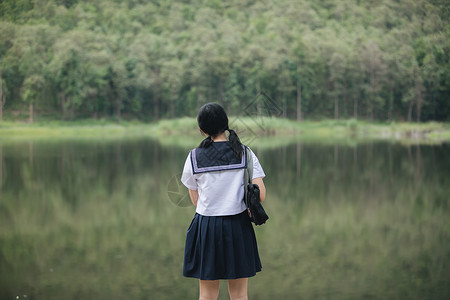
(262, 188)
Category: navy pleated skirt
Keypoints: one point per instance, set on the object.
(221, 247)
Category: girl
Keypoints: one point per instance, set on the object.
(220, 241)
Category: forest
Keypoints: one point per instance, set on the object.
(378, 60)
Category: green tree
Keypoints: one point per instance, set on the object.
(29, 56)
(367, 59)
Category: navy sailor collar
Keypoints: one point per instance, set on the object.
(219, 156)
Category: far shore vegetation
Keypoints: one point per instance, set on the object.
(375, 60)
(261, 131)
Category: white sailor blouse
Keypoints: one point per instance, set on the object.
(218, 175)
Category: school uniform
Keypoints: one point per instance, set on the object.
(220, 241)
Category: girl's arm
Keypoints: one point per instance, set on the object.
(262, 188)
(194, 196)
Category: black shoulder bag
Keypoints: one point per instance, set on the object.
(251, 194)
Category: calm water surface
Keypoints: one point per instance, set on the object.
(107, 220)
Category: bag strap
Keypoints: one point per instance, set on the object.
(248, 173)
(249, 165)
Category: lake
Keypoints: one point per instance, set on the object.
(106, 219)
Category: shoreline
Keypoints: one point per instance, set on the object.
(259, 130)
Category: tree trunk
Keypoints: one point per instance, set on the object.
(391, 104)
(156, 97)
(418, 110)
(433, 103)
(258, 103)
(156, 108)
(390, 111)
(200, 95)
(95, 112)
(258, 108)
(299, 101)
(118, 104)
(419, 90)
(410, 111)
(63, 105)
(70, 108)
(345, 101)
(369, 110)
(220, 90)
(355, 109)
(172, 108)
(30, 110)
(336, 107)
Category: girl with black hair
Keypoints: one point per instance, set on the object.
(220, 241)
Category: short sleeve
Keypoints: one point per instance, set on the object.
(258, 171)
(187, 178)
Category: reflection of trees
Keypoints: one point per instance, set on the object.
(418, 169)
(359, 217)
(88, 209)
(376, 172)
(98, 208)
(78, 169)
(336, 155)
(299, 160)
(30, 152)
(369, 171)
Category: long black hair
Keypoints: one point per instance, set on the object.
(212, 120)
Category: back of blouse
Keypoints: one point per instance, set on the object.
(220, 183)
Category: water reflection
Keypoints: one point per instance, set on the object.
(92, 219)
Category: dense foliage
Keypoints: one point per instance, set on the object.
(381, 60)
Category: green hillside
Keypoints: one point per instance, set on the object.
(147, 60)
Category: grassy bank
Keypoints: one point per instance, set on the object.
(316, 130)
(256, 130)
